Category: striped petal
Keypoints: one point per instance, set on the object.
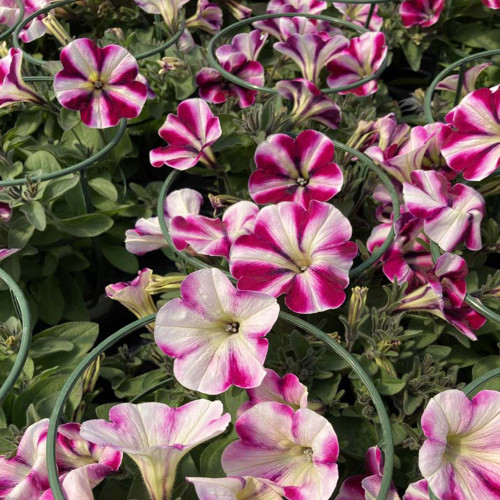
(423, 13)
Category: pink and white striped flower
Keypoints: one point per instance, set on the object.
(309, 103)
(312, 52)
(307, 6)
(214, 237)
(133, 294)
(156, 437)
(238, 10)
(406, 259)
(492, 4)
(443, 296)
(12, 86)
(216, 333)
(417, 491)
(302, 253)
(208, 17)
(9, 15)
(235, 488)
(361, 59)
(473, 147)
(286, 390)
(367, 486)
(299, 170)
(297, 450)
(358, 14)
(459, 458)
(214, 88)
(249, 44)
(102, 84)
(423, 13)
(451, 214)
(5, 212)
(167, 9)
(470, 77)
(190, 135)
(147, 235)
(7, 252)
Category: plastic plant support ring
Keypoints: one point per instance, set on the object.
(41, 62)
(73, 168)
(214, 63)
(24, 347)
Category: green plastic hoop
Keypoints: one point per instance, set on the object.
(22, 355)
(74, 168)
(41, 62)
(12, 28)
(475, 384)
(214, 63)
(461, 63)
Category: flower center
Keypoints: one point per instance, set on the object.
(232, 327)
(301, 181)
(453, 448)
(303, 269)
(98, 84)
(308, 452)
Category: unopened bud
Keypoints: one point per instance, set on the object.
(160, 284)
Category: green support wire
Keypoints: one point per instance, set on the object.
(41, 62)
(198, 264)
(22, 355)
(461, 64)
(214, 63)
(74, 168)
(10, 30)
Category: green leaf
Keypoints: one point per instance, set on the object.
(102, 411)
(413, 54)
(484, 366)
(139, 384)
(42, 161)
(41, 347)
(50, 300)
(118, 257)
(104, 188)
(388, 385)
(27, 123)
(210, 465)
(68, 119)
(20, 233)
(89, 225)
(232, 399)
(35, 214)
(57, 187)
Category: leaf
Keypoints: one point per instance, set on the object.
(57, 187)
(27, 123)
(139, 384)
(41, 347)
(104, 188)
(102, 411)
(484, 366)
(89, 225)
(50, 300)
(35, 214)
(388, 385)
(68, 119)
(413, 54)
(233, 399)
(42, 161)
(20, 233)
(118, 257)
(210, 464)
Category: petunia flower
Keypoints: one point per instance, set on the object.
(286, 390)
(299, 170)
(367, 486)
(216, 333)
(156, 436)
(103, 84)
(208, 17)
(25, 475)
(358, 14)
(215, 237)
(302, 253)
(9, 15)
(492, 4)
(190, 135)
(168, 9)
(214, 88)
(417, 491)
(459, 458)
(423, 13)
(249, 44)
(309, 103)
(7, 252)
(362, 58)
(147, 235)
(451, 214)
(297, 450)
(12, 86)
(406, 259)
(235, 488)
(238, 10)
(443, 296)
(133, 294)
(473, 147)
(5, 212)
(308, 6)
(312, 52)
(470, 77)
